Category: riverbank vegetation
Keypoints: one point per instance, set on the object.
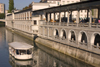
(2, 15)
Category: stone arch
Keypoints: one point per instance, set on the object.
(63, 34)
(56, 33)
(71, 35)
(95, 39)
(82, 38)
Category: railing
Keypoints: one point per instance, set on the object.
(92, 25)
(72, 41)
(83, 43)
(95, 25)
(83, 25)
(95, 46)
(72, 24)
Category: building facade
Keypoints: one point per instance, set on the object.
(2, 8)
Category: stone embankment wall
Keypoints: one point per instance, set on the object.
(79, 54)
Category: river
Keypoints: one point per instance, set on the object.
(42, 57)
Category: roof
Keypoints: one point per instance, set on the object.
(20, 45)
(72, 7)
(2, 3)
(40, 4)
(23, 10)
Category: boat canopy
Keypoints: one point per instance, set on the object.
(20, 45)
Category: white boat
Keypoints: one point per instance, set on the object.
(22, 51)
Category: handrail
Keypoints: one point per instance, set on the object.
(95, 46)
(83, 43)
(92, 25)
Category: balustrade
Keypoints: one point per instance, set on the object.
(93, 25)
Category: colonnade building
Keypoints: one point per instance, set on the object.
(83, 13)
(24, 20)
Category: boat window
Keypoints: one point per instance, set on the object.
(20, 52)
(17, 52)
(29, 51)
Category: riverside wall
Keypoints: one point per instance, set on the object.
(82, 55)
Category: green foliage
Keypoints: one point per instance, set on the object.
(27, 7)
(11, 6)
(2, 15)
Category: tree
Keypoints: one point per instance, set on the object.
(2, 15)
(11, 5)
(27, 7)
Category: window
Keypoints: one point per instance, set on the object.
(81, 10)
(68, 2)
(58, 3)
(85, 10)
(81, 15)
(63, 2)
(35, 23)
(37, 31)
(72, 1)
(1, 5)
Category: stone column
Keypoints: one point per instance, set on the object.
(54, 19)
(68, 18)
(98, 13)
(48, 31)
(90, 21)
(41, 17)
(29, 15)
(59, 18)
(43, 31)
(71, 16)
(78, 14)
(54, 16)
(21, 16)
(48, 17)
(64, 13)
(64, 16)
(44, 16)
(87, 13)
(26, 15)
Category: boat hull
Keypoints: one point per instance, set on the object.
(23, 57)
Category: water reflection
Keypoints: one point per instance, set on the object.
(21, 63)
(51, 58)
(12, 37)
